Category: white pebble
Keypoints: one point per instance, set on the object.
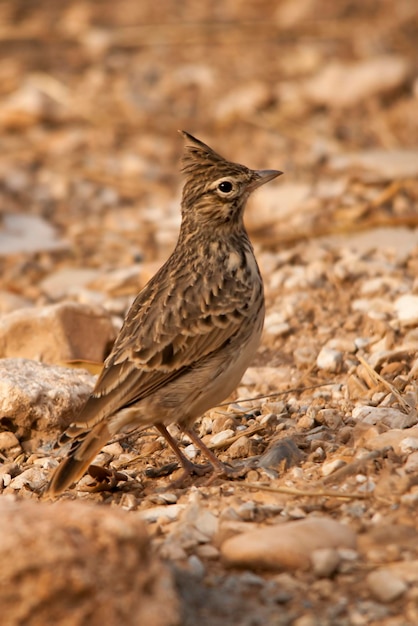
(409, 444)
(331, 466)
(224, 435)
(329, 359)
(169, 512)
(406, 308)
(190, 451)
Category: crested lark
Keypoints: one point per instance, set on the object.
(192, 331)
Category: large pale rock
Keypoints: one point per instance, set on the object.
(343, 85)
(57, 333)
(287, 546)
(36, 399)
(70, 563)
(398, 439)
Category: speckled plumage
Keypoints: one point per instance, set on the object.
(191, 332)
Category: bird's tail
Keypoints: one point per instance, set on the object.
(85, 445)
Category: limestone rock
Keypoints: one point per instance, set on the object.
(73, 563)
(287, 546)
(57, 333)
(344, 85)
(36, 399)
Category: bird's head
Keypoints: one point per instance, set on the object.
(216, 190)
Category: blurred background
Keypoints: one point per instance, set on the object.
(93, 92)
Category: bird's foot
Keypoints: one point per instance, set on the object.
(104, 479)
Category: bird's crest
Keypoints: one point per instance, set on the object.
(200, 163)
(197, 154)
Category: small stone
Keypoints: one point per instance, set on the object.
(329, 467)
(325, 561)
(195, 566)
(282, 453)
(306, 422)
(329, 360)
(385, 585)
(114, 449)
(221, 423)
(8, 440)
(222, 436)
(34, 477)
(330, 417)
(207, 551)
(240, 449)
(191, 451)
(411, 465)
(156, 513)
(247, 511)
(206, 523)
(406, 308)
(409, 444)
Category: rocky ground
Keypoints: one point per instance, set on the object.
(322, 529)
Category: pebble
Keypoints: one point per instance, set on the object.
(330, 417)
(386, 586)
(409, 444)
(191, 451)
(164, 498)
(34, 477)
(287, 546)
(154, 514)
(241, 448)
(195, 566)
(281, 453)
(222, 436)
(329, 467)
(329, 359)
(411, 464)
(406, 308)
(325, 561)
(207, 551)
(222, 423)
(206, 523)
(8, 440)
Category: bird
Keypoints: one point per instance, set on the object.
(191, 332)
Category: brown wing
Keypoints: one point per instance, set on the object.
(164, 335)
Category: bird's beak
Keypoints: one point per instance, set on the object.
(261, 177)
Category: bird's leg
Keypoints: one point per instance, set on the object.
(221, 469)
(188, 466)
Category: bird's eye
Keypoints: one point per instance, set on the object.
(225, 186)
